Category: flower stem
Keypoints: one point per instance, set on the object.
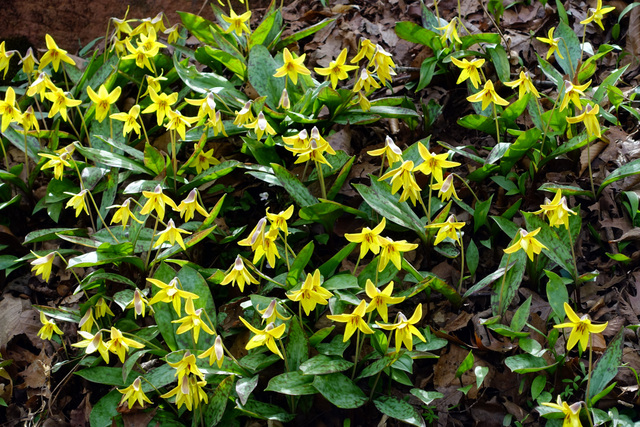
(504, 279)
(321, 179)
(355, 362)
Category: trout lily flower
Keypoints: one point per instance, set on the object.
(311, 293)
(172, 235)
(156, 201)
(42, 265)
(392, 152)
(54, 55)
(267, 336)
(170, 293)
(48, 328)
(596, 15)
(192, 320)
(391, 251)
(103, 100)
(292, 67)
(405, 329)
(78, 202)
(446, 189)
(403, 177)
(239, 274)
(433, 163)
(527, 242)
(369, 239)
(133, 394)
(581, 328)
(130, 120)
(487, 95)
(552, 42)
(449, 229)
(337, 70)
(571, 412)
(279, 221)
(381, 299)
(556, 210)
(469, 70)
(123, 214)
(590, 119)
(60, 103)
(214, 353)
(190, 205)
(450, 32)
(120, 345)
(93, 343)
(237, 24)
(572, 93)
(161, 104)
(354, 321)
(524, 85)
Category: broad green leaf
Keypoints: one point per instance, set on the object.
(334, 348)
(610, 80)
(480, 373)
(218, 402)
(323, 213)
(378, 366)
(473, 257)
(521, 315)
(245, 386)
(470, 40)
(205, 83)
(341, 281)
(262, 67)
(537, 386)
(113, 159)
(198, 26)
(416, 34)
(399, 409)
(549, 70)
(500, 62)
(153, 159)
(519, 148)
(297, 347)
(271, 24)
(466, 364)
(294, 187)
(329, 267)
(526, 363)
(480, 213)
(321, 364)
(340, 391)
(265, 411)
(478, 122)
(558, 249)
(569, 47)
(624, 171)
(426, 396)
(505, 289)
(557, 293)
(264, 153)
(578, 141)
(607, 367)
(53, 233)
(296, 272)
(106, 375)
(92, 259)
(292, 383)
(210, 174)
(379, 197)
(306, 32)
(105, 410)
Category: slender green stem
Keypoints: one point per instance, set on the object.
(153, 235)
(504, 279)
(384, 156)
(495, 118)
(466, 184)
(93, 201)
(461, 264)
(355, 362)
(593, 188)
(321, 179)
(26, 155)
(587, 397)
(575, 267)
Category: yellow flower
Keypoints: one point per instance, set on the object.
(214, 353)
(133, 394)
(172, 33)
(188, 392)
(433, 163)
(311, 293)
(130, 120)
(284, 102)
(60, 103)
(572, 93)
(216, 124)
(29, 120)
(590, 118)
(147, 25)
(404, 329)
(87, 321)
(596, 15)
(556, 210)
(363, 102)
(524, 85)
(120, 345)
(279, 221)
(469, 70)
(552, 42)
(203, 159)
(365, 81)
(238, 274)
(314, 151)
(581, 328)
(8, 109)
(186, 366)
(237, 24)
(292, 67)
(48, 328)
(123, 214)
(172, 235)
(390, 150)
(571, 412)
(446, 189)
(28, 62)
(179, 123)
(57, 163)
(5, 58)
(40, 85)
(450, 32)
(381, 299)
(121, 26)
(42, 265)
(139, 304)
(403, 177)
(78, 202)
(369, 239)
(169, 293)
(154, 83)
(138, 54)
(161, 104)
(93, 343)
(487, 95)
(103, 100)
(527, 242)
(206, 106)
(54, 55)
(300, 140)
(268, 248)
(449, 228)
(149, 43)
(267, 337)
(367, 49)
(189, 205)
(192, 321)
(391, 252)
(157, 201)
(260, 126)
(256, 236)
(244, 116)
(270, 314)
(354, 321)
(337, 70)
(102, 309)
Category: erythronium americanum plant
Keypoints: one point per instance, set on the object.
(245, 229)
